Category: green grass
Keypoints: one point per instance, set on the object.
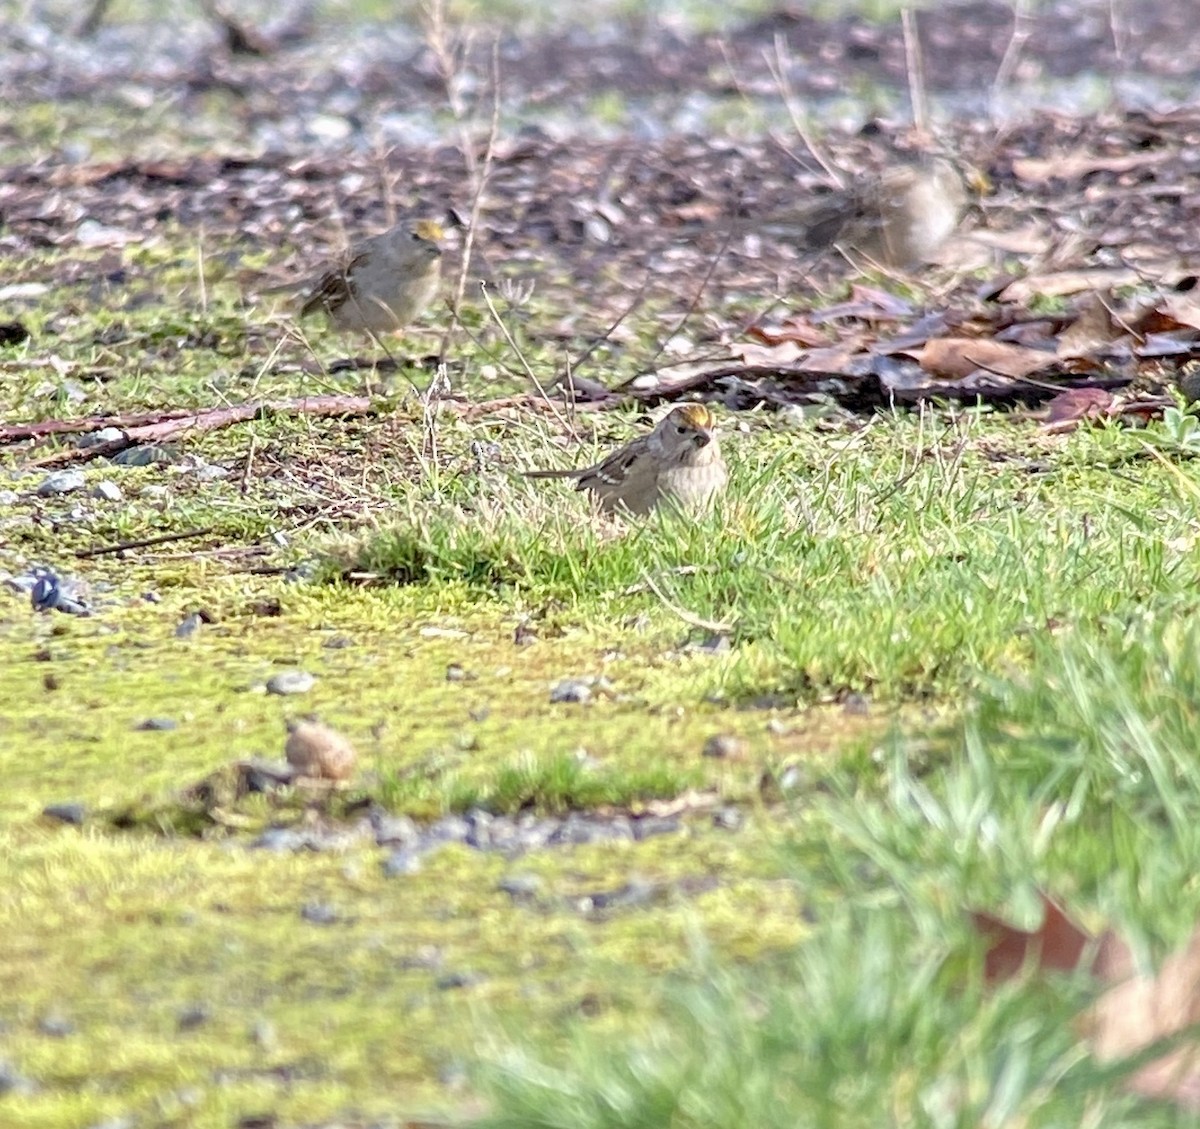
(959, 666)
(1076, 780)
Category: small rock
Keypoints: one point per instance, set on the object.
(319, 913)
(13, 333)
(104, 435)
(71, 812)
(107, 491)
(455, 673)
(634, 894)
(12, 1082)
(189, 626)
(8, 497)
(575, 690)
(262, 1035)
(524, 635)
(282, 840)
(651, 825)
(520, 887)
(56, 1026)
(724, 746)
(144, 454)
(449, 829)
(393, 829)
(712, 645)
(454, 980)
(56, 593)
(856, 705)
(290, 682)
(403, 861)
(61, 482)
(192, 1017)
(157, 724)
(317, 751)
(727, 818)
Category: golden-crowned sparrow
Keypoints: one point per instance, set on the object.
(382, 283)
(679, 463)
(318, 752)
(899, 219)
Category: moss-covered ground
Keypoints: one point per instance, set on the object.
(947, 659)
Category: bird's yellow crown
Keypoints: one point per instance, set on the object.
(698, 416)
(429, 229)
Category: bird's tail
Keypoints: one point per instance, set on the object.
(551, 473)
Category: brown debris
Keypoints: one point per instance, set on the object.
(316, 751)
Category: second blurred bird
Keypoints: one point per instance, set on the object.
(381, 284)
(899, 219)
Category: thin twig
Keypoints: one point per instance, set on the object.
(244, 484)
(479, 176)
(914, 65)
(712, 267)
(778, 66)
(638, 297)
(517, 350)
(144, 542)
(1022, 29)
(690, 618)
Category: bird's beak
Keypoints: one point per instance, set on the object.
(703, 438)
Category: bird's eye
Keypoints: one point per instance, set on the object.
(681, 429)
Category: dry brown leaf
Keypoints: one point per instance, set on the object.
(1076, 404)
(867, 303)
(1093, 328)
(1174, 311)
(783, 353)
(1061, 283)
(1058, 943)
(1138, 1012)
(1071, 166)
(953, 358)
(797, 329)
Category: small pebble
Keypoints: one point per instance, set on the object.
(290, 682)
(392, 829)
(454, 980)
(317, 751)
(157, 724)
(262, 1035)
(857, 705)
(72, 813)
(192, 1017)
(107, 491)
(520, 887)
(319, 913)
(144, 454)
(524, 635)
(724, 746)
(189, 626)
(56, 1026)
(455, 673)
(12, 1082)
(574, 690)
(727, 818)
(401, 862)
(713, 645)
(104, 435)
(61, 482)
